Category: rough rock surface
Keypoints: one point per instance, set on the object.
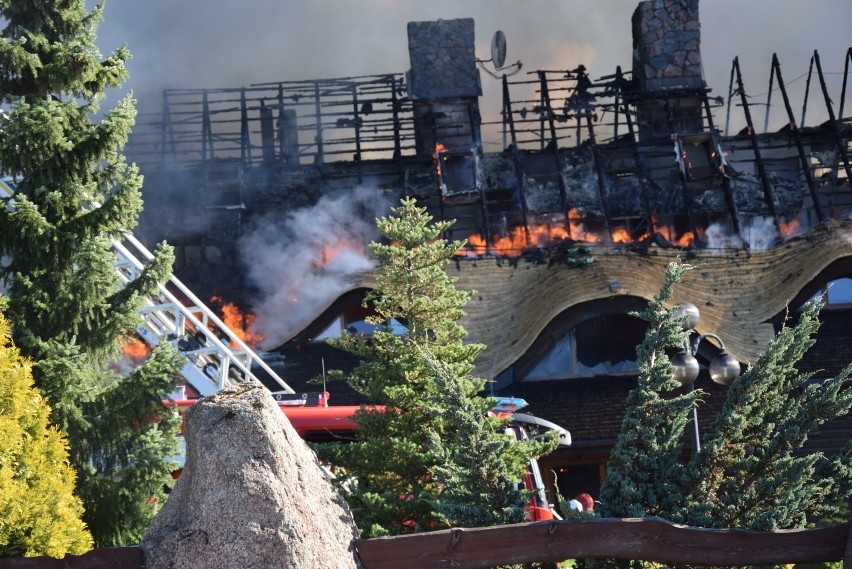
(252, 495)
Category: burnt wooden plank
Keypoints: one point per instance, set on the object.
(651, 539)
(106, 558)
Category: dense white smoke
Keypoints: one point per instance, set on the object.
(717, 237)
(761, 233)
(303, 260)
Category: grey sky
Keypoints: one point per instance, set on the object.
(216, 43)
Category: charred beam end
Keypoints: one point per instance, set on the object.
(650, 539)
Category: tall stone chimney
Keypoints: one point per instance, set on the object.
(444, 84)
(666, 45)
(667, 65)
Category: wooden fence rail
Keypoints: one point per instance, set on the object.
(106, 558)
(650, 539)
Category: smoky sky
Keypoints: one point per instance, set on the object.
(217, 43)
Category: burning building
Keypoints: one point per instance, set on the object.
(601, 182)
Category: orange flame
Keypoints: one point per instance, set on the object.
(668, 233)
(540, 235)
(682, 240)
(136, 350)
(435, 158)
(514, 242)
(511, 243)
(329, 251)
(621, 235)
(240, 323)
(789, 229)
(578, 230)
(476, 245)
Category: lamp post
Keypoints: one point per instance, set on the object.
(724, 368)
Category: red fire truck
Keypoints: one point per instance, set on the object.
(317, 422)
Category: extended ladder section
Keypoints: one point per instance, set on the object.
(215, 355)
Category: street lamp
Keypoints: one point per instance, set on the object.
(724, 368)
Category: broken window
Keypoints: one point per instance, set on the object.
(603, 345)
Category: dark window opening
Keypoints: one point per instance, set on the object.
(604, 345)
(607, 344)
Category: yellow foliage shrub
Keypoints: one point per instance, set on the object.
(39, 513)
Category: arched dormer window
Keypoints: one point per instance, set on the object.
(838, 293)
(352, 317)
(603, 345)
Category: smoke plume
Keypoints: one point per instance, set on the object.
(303, 260)
(214, 43)
(761, 234)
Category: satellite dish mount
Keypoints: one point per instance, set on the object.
(498, 57)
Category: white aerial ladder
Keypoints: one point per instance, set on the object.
(215, 355)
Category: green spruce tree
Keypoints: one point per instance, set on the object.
(39, 514)
(751, 471)
(478, 468)
(410, 469)
(69, 313)
(644, 468)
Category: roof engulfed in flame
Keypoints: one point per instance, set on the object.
(518, 239)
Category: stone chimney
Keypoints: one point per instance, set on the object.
(667, 68)
(444, 84)
(666, 45)
(443, 63)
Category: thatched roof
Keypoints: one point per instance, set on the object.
(738, 293)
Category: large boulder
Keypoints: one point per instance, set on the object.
(252, 495)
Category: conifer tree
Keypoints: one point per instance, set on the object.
(644, 466)
(69, 313)
(408, 471)
(39, 514)
(751, 471)
(478, 469)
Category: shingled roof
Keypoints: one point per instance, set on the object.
(739, 293)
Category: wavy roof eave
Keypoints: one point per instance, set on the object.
(738, 293)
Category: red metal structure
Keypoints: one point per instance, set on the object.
(315, 421)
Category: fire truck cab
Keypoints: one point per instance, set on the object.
(522, 426)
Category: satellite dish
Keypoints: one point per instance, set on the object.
(498, 49)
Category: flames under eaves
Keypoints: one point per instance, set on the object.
(241, 323)
(515, 241)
